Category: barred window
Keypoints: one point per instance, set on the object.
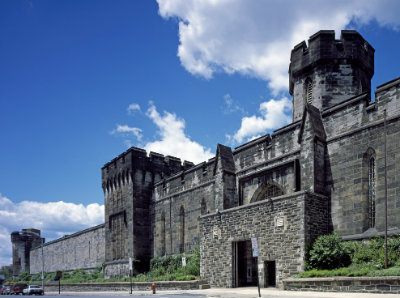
(309, 86)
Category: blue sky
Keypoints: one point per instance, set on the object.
(81, 81)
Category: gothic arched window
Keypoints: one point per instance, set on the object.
(267, 191)
(369, 188)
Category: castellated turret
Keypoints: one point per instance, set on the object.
(22, 243)
(128, 182)
(328, 72)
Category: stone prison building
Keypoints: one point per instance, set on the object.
(326, 171)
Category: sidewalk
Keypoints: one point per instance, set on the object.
(231, 293)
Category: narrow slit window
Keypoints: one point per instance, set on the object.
(182, 230)
(371, 192)
(162, 232)
(309, 86)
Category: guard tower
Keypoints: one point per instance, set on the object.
(22, 243)
(328, 72)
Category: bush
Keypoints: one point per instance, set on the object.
(367, 258)
(24, 276)
(373, 252)
(170, 268)
(329, 252)
(49, 276)
(36, 277)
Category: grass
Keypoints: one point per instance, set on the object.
(161, 269)
(351, 271)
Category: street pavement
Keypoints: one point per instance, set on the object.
(249, 292)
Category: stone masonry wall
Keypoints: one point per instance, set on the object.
(167, 220)
(82, 250)
(191, 191)
(267, 160)
(353, 130)
(381, 284)
(280, 226)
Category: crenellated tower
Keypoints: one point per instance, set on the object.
(328, 72)
(22, 243)
(128, 182)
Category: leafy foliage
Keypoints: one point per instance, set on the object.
(373, 252)
(7, 272)
(170, 268)
(329, 252)
(367, 258)
(24, 276)
(161, 269)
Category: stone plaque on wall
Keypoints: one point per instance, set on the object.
(216, 232)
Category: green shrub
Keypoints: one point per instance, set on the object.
(49, 276)
(36, 277)
(66, 275)
(373, 252)
(329, 252)
(367, 258)
(193, 263)
(24, 276)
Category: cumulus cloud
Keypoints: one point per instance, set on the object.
(273, 114)
(54, 219)
(173, 140)
(255, 37)
(125, 129)
(133, 107)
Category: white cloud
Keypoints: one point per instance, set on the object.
(255, 37)
(173, 139)
(125, 129)
(133, 107)
(273, 114)
(231, 106)
(54, 219)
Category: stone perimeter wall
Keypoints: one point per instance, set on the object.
(82, 250)
(124, 286)
(384, 284)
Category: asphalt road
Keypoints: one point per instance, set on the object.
(132, 296)
(222, 293)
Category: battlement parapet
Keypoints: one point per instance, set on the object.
(15, 236)
(323, 48)
(120, 169)
(25, 235)
(135, 153)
